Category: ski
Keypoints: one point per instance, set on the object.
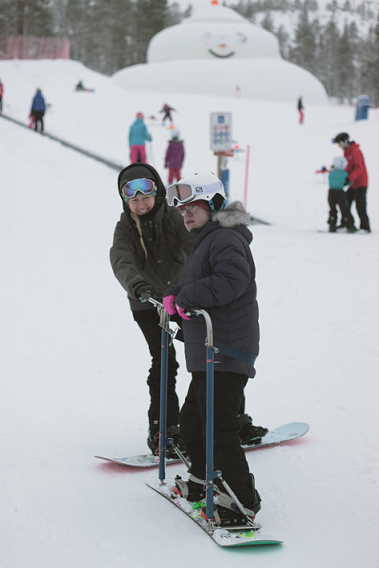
(249, 535)
(279, 435)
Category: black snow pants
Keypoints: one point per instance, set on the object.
(339, 197)
(229, 457)
(148, 321)
(358, 194)
(38, 119)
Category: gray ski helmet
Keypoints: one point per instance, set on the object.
(339, 163)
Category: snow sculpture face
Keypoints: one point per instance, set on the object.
(214, 32)
(225, 45)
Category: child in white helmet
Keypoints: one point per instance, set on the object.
(338, 180)
(218, 276)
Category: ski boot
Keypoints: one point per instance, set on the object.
(332, 222)
(193, 489)
(227, 513)
(248, 433)
(172, 432)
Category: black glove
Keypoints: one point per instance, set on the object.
(165, 166)
(146, 290)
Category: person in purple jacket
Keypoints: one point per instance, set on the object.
(174, 157)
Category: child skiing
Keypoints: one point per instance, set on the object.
(338, 180)
(166, 110)
(174, 157)
(219, 276)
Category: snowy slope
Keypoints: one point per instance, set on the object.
(74, 363)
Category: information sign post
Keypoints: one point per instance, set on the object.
(221, 141)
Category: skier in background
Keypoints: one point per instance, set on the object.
(174, 157)
(138, 135)
(149, 249)
(300, 108)
(356, 168)
(38, 110)
(166, 110)
(80, 87)
(219, 276)
(338, 180)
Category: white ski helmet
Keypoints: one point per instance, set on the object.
(339, 163)
(175, 133)
(203, 186)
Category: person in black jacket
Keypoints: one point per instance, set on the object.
(149, 250)
(300, 108)
(219, 276)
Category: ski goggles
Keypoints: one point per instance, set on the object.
(189, 210)
(180, 193)
(145, 186)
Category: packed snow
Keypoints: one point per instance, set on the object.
(74, 363)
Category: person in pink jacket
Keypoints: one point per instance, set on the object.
(174, 157)
(356, 169)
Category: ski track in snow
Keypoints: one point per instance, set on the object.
(74, 364)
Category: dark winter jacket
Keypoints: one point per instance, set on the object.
(219, 276)
(138, 133)
(356, 167)
(38, 103)
(174, 154)
(167, 244)
(338, 179)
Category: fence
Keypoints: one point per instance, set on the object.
(29, 47)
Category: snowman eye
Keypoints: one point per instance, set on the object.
(241, 37)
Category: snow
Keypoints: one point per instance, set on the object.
(74, 363)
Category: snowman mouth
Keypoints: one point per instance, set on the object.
(221, 56)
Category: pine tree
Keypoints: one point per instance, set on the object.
(327, 55)
(26, 18)
(369, 75)
(345, 65)
(283, 38)
(268, 23)
(304, 49)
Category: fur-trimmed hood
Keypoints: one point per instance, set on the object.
(232, 216)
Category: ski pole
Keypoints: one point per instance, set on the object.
(163, 399)
(211, 474)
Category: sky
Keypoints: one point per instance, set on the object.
(74, 363)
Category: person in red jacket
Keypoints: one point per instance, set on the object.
(356, 169)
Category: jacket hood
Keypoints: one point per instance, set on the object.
(139, 170)
(232, 216)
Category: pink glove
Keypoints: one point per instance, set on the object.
(181, 312)
(169, 304)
